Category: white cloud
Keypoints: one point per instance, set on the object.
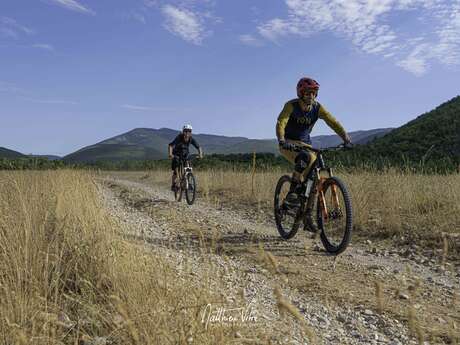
(151, 3)
(50, 101)
(367, 25)
(356, 20)
(138, 17)
(277, 28)
(12, 29)
(184, 23)
(448, 48)
(43, 46)
(416, 62)
(73, 5)
(250, 40)
(188, 19)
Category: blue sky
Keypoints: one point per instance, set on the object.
(74, 72)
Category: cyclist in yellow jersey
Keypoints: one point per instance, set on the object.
(294, 126)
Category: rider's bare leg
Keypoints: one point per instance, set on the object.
(173, 178)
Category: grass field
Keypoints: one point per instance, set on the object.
(68, 277)
(392, 205)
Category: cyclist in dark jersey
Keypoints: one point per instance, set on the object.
(294, 126)
(178, 150)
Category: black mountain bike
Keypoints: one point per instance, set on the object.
(322, 195)
(185, 181)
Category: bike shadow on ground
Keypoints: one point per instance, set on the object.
(233, 244)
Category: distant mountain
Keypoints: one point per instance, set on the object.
(357, 137)
(148, 143)
(113, 152)
(48, 157)
(10, 154)
(431, 137)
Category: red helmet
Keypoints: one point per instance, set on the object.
(305, 84)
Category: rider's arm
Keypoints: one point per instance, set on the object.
(197, 146)
(283, 119)
(171, 146)
(333, 123)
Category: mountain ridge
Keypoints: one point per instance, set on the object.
(432, 138)
(151, 143)
(10, 154)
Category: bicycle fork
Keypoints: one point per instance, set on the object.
(322, 198)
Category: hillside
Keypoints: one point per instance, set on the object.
(10, 154)
(433, 136)
(148, 143)
(48, 157)
(113, 152)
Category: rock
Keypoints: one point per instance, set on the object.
(395, 342)
(368, 312)
(322, 319)
(441, 320)
(440, 269)
(341, 318)
(403, 296)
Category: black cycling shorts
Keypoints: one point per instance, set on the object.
(175, 163)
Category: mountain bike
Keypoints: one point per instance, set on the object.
(320, 190)
(185, 181)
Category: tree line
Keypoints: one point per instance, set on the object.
(357, 159)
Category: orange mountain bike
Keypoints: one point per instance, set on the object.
(323, 195)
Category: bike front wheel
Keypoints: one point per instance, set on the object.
(178, 191)
(334, 215)
(287, 219)
(190, 190)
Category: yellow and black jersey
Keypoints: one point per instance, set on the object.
(296, 124)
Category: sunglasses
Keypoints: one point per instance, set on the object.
(187, 131)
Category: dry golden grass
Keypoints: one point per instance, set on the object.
(376, 198)
(68, 277)
(407, 206)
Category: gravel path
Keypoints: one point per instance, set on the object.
(335, 296)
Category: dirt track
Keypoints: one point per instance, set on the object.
(335, 295)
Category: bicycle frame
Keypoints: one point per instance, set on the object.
(318, 186)
(185, 168)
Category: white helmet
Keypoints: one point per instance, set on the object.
(187, 127)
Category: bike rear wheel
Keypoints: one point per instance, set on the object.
(190, 190)
(334, 215)
(287, 219)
